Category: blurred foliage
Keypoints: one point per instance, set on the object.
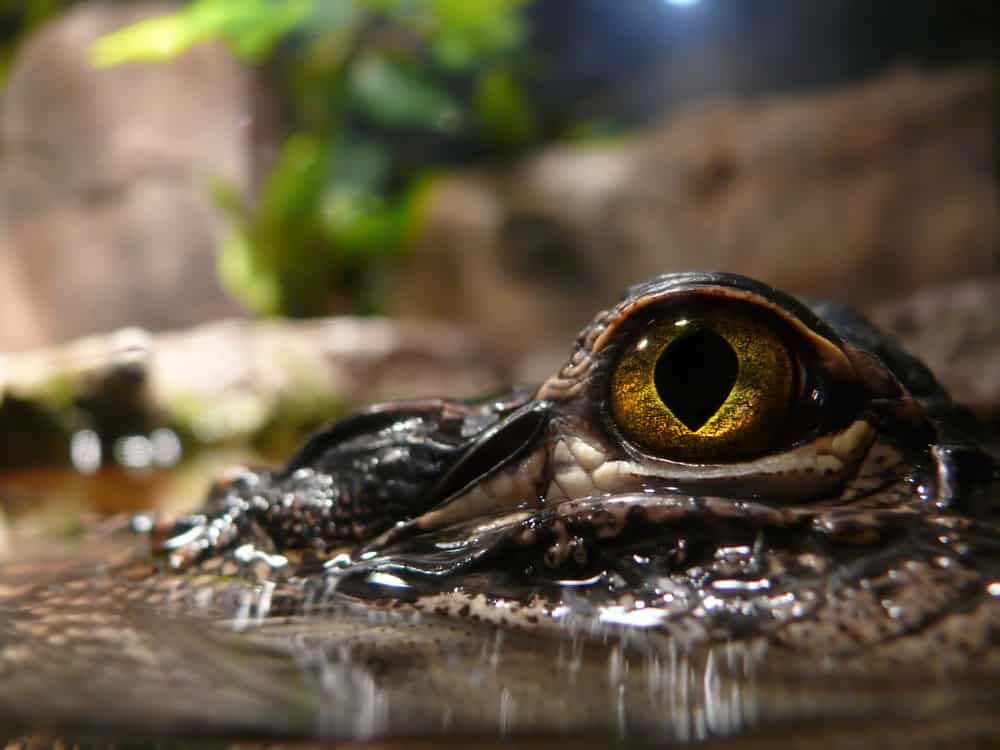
(380, 95)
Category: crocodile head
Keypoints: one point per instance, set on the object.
(716, 460)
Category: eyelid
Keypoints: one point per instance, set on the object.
(827, 347)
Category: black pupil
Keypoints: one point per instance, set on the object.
(694, 376)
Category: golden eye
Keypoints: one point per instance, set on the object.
(715, 385)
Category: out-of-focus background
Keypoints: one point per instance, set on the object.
(193, 196)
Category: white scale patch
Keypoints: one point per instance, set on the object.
(581, 469)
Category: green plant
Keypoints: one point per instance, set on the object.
(381, 94)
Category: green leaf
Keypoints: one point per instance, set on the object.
(291, 193)
(335, 16)
(151, 40)
(286, 235)
(468, 31)
(359, 222)
(367, 225)
(363, 163)
(239, 275)
(504, 111)
(397, 95)
(250, 27)
(227, 197)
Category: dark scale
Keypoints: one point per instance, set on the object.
(349, 482)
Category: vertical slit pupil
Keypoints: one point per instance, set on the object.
(694, 375)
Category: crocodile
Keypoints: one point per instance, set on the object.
(728, 514)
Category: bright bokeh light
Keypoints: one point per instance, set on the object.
(85, 451)
(682, 3)
(134, 451)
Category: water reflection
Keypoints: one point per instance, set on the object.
(162, 448)
(85, 451)
(209, 652)
(391, 670)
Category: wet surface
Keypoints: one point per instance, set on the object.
(133, 653)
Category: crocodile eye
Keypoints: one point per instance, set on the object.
(707, 386)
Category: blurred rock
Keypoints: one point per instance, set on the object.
(231, 381)
(955, 329)
(101, 424)
(105, 213)
(860, 195)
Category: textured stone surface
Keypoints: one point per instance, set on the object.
(956, 330)
(861, 194)
(105, 214)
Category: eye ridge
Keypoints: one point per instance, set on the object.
(695, 374)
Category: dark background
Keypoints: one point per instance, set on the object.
(643, 56)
